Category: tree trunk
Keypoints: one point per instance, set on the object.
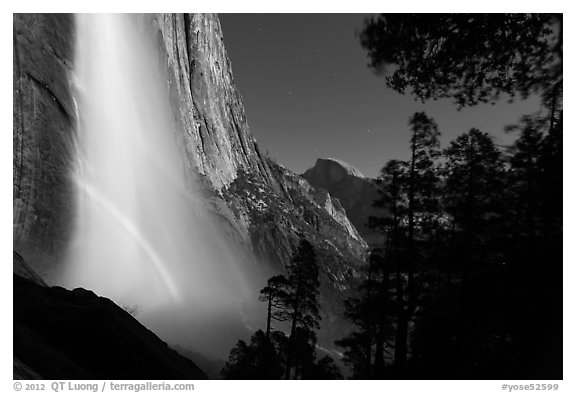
(369, 327)
(405, 313)
(289, 350)
(553, 107)
(558, 48)
(380, 334)
(269, 318)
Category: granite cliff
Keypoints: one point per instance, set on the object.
(43, 122)
(210, 112)
(262, 206)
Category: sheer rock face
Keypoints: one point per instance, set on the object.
(355, 192)
(206, 104)
(262, 206)
(43, 120)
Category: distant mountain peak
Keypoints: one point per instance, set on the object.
(333, 164)
(354, 191)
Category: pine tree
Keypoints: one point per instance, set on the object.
(534, 250)
(422, 201)
(290, 298)
(471, 58)
(410, 190)
(474, 172)
(453, 324)
(372, 309)
(275, 294)
(370, 313)
(301, 302)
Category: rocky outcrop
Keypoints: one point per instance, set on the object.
(276, 220)
(355, 192)
(62, 334)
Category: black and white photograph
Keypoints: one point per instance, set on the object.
(288, 196)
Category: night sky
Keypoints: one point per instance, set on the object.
(309, 93)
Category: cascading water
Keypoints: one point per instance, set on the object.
(142, 237)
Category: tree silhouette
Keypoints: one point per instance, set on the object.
(410, 192)
(291, 299)
(491, 223)
(275, 294)
(471, 58)
(370, 312)
(301, 302)
(422, 200)
(534, 250)
(474, 173)
(479, 325)
(325, 368)
(394, 183)
(258, 360)
(474, 176)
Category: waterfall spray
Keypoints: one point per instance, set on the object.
(143, 236)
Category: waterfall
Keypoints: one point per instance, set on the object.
(143, 236)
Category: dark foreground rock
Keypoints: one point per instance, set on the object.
(62, 334)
